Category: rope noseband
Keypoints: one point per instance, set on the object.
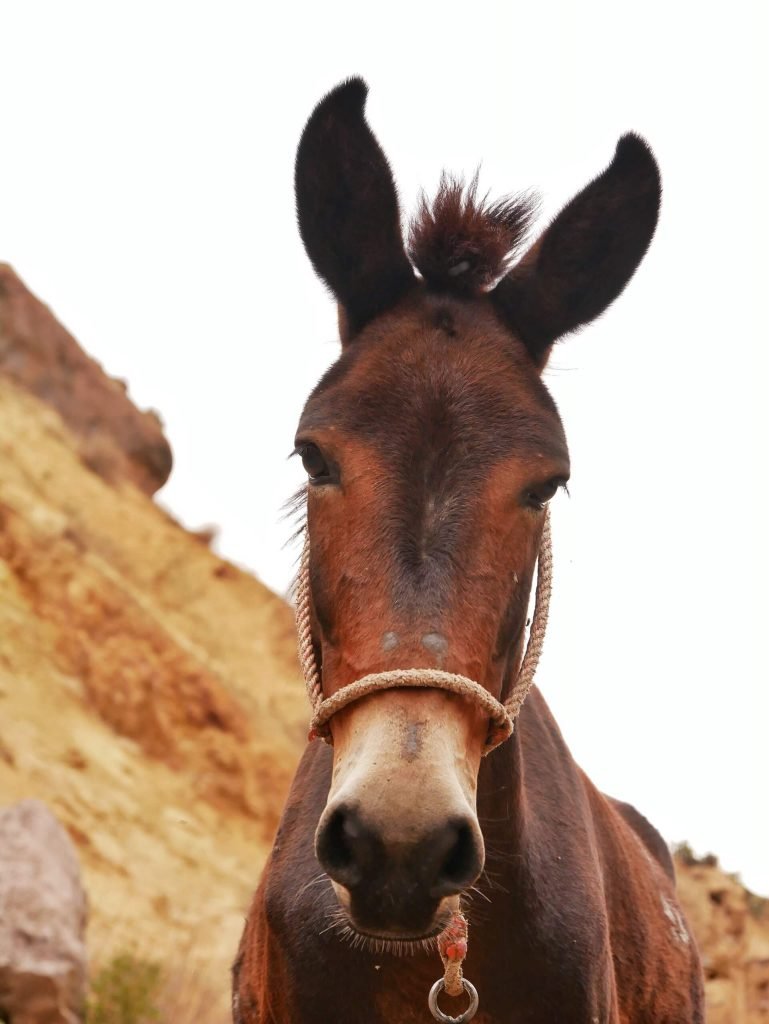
(452, 942)
(501, 716)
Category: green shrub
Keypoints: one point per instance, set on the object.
(125, 991)
(687, 856)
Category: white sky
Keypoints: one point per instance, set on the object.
(146, 159)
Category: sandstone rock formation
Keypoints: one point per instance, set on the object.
(732, 930)
(150, 693)
(113, 437)
(42, 919)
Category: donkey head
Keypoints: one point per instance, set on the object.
(431, 448)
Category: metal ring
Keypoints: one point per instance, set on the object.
(437, 1012)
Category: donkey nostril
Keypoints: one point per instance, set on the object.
(442, 863)
(337, 845)
(462, 863)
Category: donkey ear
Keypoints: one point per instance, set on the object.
(347, 208)
(587, 255)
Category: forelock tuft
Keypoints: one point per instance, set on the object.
(464, 244)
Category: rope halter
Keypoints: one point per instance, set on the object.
(502, 716)
(452, 942)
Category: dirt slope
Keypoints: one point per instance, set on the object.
(149, 691)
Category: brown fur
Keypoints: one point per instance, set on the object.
(465, 244)
(441, 445)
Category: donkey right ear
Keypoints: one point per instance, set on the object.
(347, 209)
(585, 258)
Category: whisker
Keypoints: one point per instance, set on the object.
(376, 945)
(490, 878)
(322, 877)
(474, 888)
(338, 920)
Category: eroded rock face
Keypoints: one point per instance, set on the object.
(115, 439)
(732, 930)
(150, 692)
(42, 919)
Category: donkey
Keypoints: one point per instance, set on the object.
(432, 449)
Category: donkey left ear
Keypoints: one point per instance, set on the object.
(587, 255)
(347, 208)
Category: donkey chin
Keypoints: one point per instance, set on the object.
(399, 837)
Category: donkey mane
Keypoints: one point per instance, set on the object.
(464, 244)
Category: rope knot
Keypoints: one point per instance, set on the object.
(452, 946)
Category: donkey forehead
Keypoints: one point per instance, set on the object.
(438, 374)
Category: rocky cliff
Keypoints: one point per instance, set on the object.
(149, 691)
(732, 930)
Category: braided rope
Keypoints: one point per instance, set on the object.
(427, 678)
(536, 640)
(452, 946)
(304, 629)
(501, 716)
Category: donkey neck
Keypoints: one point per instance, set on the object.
(521, 825)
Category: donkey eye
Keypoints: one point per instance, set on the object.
(314, 463)
(539, 495)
